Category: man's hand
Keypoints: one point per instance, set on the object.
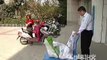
(76, 33)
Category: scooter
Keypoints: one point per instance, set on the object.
(54, 29)
(25, 38)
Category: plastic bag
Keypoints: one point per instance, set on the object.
(57, 50)
(72, 42)
(63, 51)
(53, 51)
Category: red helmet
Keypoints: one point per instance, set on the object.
(37, 21)
(42, 22)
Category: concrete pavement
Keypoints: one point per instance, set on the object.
(11, 49)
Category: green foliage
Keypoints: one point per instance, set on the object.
(8, 11)
(43, 12)
(63, 9)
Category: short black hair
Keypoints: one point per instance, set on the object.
(81, 8)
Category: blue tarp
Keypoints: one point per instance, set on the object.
(46, 57)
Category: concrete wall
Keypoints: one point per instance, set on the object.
(100, 25)
(105, 11)
(72, 14)
(98, 20)
(104, 29)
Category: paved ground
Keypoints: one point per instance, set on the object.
(11, 49)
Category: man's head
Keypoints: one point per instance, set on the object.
(82, 10)
(28, 16)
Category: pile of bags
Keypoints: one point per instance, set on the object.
(60, 50)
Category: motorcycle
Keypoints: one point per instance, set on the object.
(54, 28)
(25, 38)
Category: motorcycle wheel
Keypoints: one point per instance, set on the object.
(23, 41)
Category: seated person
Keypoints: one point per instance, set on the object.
(29, 25)
(36, 30)
(43, 24)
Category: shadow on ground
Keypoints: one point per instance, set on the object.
(34, 52)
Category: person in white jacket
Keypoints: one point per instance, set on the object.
(86, 30)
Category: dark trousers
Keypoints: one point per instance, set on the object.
(86, 38)
(30, 31)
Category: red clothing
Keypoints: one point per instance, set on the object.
(37, 29)
(42, 24)
(37, 32)
(30, 21)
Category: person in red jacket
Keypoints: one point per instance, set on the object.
(36, 30)
(29, 25)
(43, 24)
